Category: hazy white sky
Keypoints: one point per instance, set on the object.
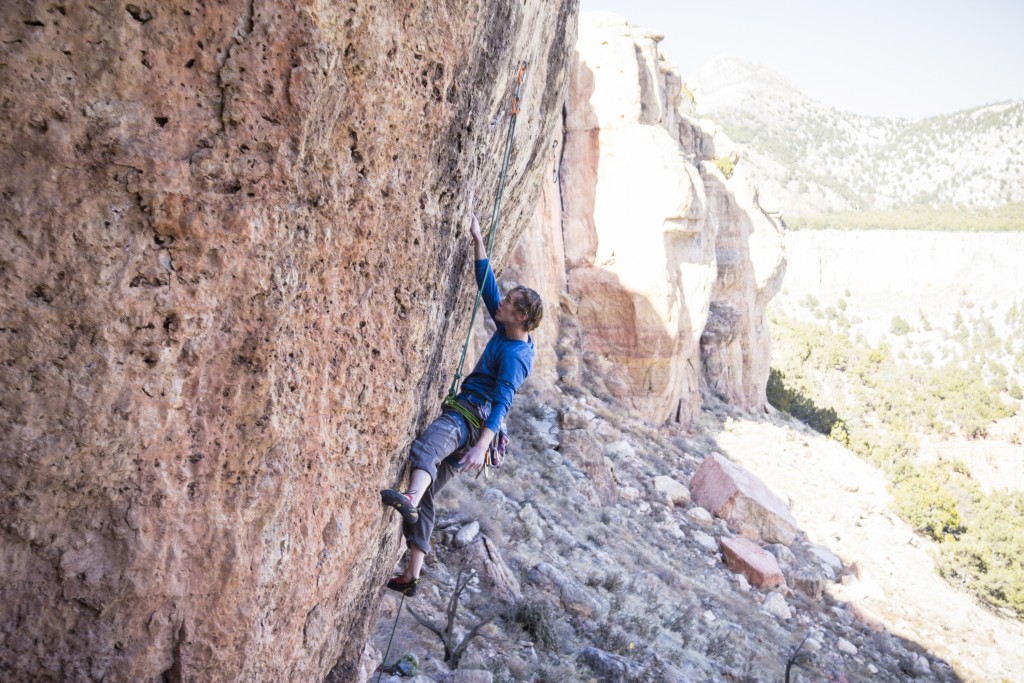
(910, 58)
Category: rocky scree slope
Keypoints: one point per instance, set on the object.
(601, 566)
(233, 270)
(610, 570)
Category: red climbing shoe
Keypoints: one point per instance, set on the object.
(406, 589)
(402, 503)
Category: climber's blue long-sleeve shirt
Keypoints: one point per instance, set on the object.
(505, 362)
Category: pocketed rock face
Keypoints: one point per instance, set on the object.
(234, 274)
(668, 265)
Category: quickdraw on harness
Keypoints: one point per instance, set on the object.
(496, 453)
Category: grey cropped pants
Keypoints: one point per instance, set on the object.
(437, 452)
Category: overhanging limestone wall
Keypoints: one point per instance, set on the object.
(234, 276)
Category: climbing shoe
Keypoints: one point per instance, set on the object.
(402, 503)
(406, 589)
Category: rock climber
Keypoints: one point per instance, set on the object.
(452, 443)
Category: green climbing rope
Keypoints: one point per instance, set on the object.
(462, 410)
(384, 660)
(495, 213)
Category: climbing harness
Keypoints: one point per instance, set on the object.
(495, 213)
(495, 455)
(466, 413)
(380, 668)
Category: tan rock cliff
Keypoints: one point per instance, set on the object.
(234, 277)
(735, 345)
(668, 265)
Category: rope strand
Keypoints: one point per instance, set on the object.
(495, 214)
(384, 660)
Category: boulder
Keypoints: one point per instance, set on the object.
(545, 430)
(742, 500)
(494, 571)
(705, 541)
(700, 517)
(783, 554)
(467, 534)
(575, 598)
(775, 605)
(809, 582)
(675, 494)
(825, 557)
(920, 665)
(753, 562)
(607, 666)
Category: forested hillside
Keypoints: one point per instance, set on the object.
(816, 159)
(908, 350)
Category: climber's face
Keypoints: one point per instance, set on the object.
(508, 310)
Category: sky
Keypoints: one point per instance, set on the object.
(909, 58)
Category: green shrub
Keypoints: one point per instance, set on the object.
(537, 618)
(989, 560)
(886, 406)
(726, 165)
(791, 400)
(926, 504)
(899, 326)
(1009, 217)
(687, 93)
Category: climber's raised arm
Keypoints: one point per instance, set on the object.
(479, 247)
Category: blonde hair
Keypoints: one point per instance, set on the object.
(529, 304)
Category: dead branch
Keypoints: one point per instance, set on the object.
(453, 651)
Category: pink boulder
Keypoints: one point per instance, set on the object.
(742, 500)
(753, 562)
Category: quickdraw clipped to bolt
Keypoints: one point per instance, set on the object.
(554, 162)
(519, 88)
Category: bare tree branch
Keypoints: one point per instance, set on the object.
(424, 622)
(452, 655)
(473, 633)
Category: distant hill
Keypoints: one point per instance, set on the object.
(816, 159)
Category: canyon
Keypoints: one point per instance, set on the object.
(236, 277)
